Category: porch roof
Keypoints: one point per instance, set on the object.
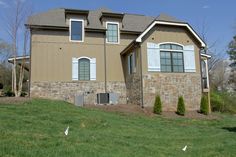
(19, 61)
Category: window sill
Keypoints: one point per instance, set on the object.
(76, 41)
(83, 80)
(113, 43)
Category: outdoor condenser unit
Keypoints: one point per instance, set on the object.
(103, 98)
(107, 98)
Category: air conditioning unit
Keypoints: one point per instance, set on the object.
(103, 98)
(107, 98)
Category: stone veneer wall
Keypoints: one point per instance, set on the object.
(170, 87)
(67, 90)
(133, 86)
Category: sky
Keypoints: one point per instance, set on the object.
(217, 17)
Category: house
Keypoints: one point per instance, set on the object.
(132, 57)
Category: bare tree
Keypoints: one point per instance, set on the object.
(219, 75)
(216, 55)
(5, 51)
(15, 20)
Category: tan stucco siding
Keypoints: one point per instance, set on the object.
(52, 54)
(161, 34)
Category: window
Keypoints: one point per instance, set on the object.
(76, 30)
(171, 58)
(112, 34)
(84, 69)
(171, 47)
(132, 63)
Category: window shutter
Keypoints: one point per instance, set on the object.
(93, 69)
(189, 58)
(75, 70)
(153, 55)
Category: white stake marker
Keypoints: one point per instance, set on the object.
(184, 149)
(67, 131)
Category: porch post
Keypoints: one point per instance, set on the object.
(12, 82)
(208, 85)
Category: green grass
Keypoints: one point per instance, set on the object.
(36, 128)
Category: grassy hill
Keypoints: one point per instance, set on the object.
(36, 128)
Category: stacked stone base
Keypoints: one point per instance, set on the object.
(67, 90)
(170, 86)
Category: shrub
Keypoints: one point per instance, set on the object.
(158, 105)
(223, 102)
(204, 108)
(7, 91)
(181, 106)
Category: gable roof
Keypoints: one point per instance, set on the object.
(131, 22)
(158, 22)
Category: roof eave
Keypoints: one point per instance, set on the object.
(206, 55)
(130, 46)
(75, 11)
(112, 15)
(46, 27)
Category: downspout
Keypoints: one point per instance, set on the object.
(105, 62)
(200, 58)
(141, 76)
(30, 59)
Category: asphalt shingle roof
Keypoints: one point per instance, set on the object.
(131, 22)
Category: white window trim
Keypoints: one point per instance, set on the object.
(118, 26)
(139, 39)
(84, 57)
(171, 49)
(81, 20)
(170, 43)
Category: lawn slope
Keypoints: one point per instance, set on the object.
(36, 128)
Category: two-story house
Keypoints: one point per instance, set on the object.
(132, 57)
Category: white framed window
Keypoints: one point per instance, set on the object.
(76, 30)
(83, 69)
(171, 58)
(112, 33)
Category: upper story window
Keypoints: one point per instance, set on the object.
(171, 58)
(112, 34)
(76, 30)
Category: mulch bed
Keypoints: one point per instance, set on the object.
(122, 108)
(135, 109)
(13, 100)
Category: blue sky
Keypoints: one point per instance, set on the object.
(218, 16)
